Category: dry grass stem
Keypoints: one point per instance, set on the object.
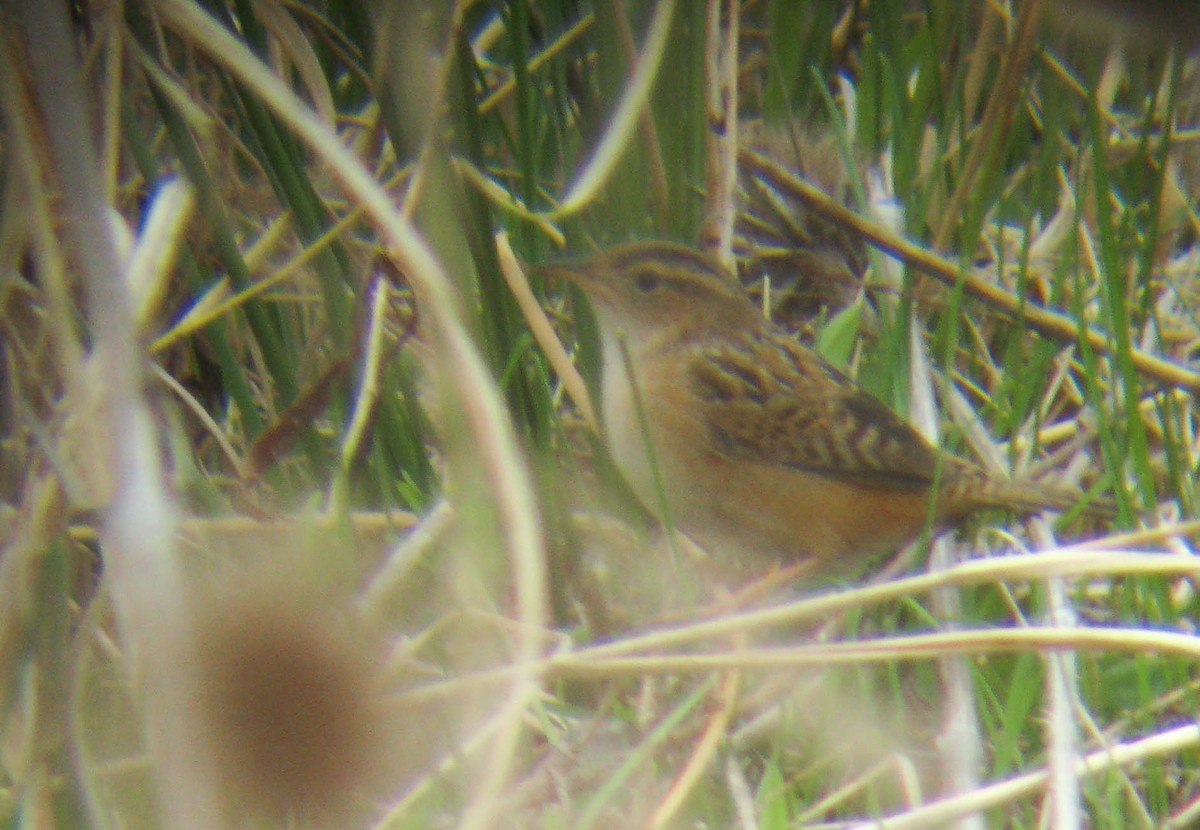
(1163, 744)
(1051, 324)
(368, 391)
(721, 137)
(544, 333)
(959, 742)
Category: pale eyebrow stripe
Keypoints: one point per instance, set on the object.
(669, 259)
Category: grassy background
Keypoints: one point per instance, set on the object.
(313, 406)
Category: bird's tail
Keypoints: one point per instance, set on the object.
(971, 490)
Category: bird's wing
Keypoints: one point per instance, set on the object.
(770, 401)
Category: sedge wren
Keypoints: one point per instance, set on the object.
(766, 452)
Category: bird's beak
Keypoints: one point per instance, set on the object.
(579, 272)
(555, 271)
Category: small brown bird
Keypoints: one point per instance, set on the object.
(766, 452)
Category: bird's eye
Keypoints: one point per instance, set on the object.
(647, 282)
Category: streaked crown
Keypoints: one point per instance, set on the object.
(650, 284)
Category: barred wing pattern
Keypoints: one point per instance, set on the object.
(769, 401)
